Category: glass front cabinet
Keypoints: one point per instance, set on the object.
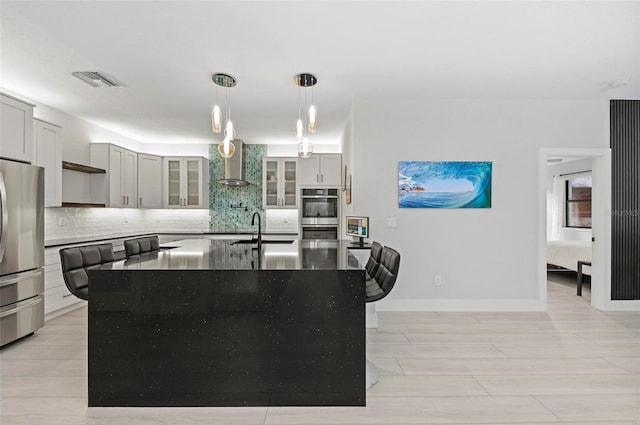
(279, 182)
(185, 182)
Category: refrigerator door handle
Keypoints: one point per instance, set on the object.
(5, 217)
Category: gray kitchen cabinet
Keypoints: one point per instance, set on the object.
(48, 154)
(279, 182)
(122, 174)
(185, 182)
(320, 170)
(16, 129)
(149, 181)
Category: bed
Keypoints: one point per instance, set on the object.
(566, 254)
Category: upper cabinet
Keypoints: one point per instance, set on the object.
(149, 181)
(279, 182)
(320, 170)
(185, 182)
(121, 164)
(48, 154)
(16, 129)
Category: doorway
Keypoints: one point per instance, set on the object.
(601, 220)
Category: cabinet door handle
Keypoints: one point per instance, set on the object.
(140, 201)
(127, 199)
(122, 203)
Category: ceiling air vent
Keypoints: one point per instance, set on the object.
(95, 79)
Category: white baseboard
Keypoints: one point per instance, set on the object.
(460, 305)
(64, 310)
(622, 305)
(371, 318)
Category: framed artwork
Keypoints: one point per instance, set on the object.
(448, 184)
(344, 179)
(347, 196)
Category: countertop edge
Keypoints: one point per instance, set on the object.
(52, 243)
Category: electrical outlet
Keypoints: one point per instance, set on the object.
(392, 223)
(437, 280)
(62, 221)
(126, 219)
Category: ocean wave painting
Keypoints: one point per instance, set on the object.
(449, 184)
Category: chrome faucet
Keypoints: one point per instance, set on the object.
(253, 222)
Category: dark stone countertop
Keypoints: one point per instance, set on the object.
(223, 254)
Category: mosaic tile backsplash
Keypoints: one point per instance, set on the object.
(222, 198)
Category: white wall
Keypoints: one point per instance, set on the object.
(487, 257)
(347, 160)
(556, 197)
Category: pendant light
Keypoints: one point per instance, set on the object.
(226, 148)
(299, 132)
(305, 147)
(216, 119)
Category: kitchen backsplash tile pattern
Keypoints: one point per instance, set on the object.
(231, 207)
(97, 223)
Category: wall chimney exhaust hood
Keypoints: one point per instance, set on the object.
(234, 167)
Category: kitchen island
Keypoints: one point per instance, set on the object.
(221, 323)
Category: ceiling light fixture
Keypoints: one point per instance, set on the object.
(226, 148)
(618, 83)
(305, 148)
(96, 79)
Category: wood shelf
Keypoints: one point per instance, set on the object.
(82, 168)
(82, 205)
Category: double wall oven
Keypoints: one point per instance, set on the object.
(319, 213)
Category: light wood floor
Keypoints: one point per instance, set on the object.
(572, 364)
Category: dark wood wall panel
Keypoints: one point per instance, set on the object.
(625, 197)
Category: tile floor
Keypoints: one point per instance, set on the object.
(572, 364)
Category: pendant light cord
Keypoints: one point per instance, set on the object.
(305, 101)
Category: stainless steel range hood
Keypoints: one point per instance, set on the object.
(234, 167)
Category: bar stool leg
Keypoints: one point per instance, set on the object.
(372, 374)
(579, 286)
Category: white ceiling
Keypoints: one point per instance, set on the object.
(164, 54)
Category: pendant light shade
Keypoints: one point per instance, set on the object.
(305, 148)
(229, 131)
(216, 119)
(299, 129)
(312, 119)
(305, 81)
(226, 148)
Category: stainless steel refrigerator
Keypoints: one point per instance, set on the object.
(21, 250)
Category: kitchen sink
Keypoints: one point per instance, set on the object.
(255, 241)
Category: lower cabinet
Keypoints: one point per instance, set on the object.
(57, 298)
